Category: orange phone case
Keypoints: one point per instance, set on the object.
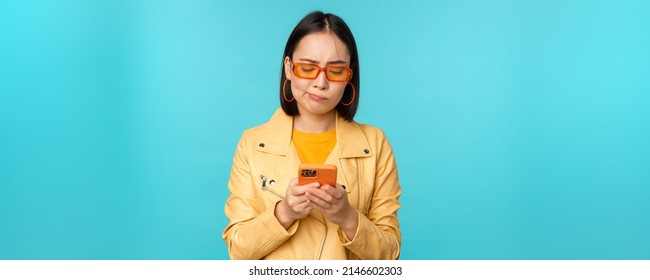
(325, 174)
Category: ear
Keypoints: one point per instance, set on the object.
(287, 68)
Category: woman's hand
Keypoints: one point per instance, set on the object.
(333, 203)
(295, 205)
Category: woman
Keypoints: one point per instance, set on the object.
(271, 216)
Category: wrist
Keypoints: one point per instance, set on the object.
(283, 215)
(351, 220)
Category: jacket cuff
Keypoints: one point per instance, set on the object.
(343, 239)
(271, 222)
(274, 231)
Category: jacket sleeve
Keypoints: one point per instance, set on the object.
(252, 232)
(378, 235)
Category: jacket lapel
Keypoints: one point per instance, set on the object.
(351, 141)
(351, 145)
(276, 138)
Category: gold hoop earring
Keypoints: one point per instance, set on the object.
(354, 94)
(284, 93)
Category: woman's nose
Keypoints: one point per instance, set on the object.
(321, 80)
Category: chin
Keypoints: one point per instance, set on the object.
(319, 110)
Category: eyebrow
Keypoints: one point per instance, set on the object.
(329, 62)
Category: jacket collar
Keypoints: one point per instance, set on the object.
(276, 138)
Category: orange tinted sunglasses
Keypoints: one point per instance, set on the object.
(333, 73)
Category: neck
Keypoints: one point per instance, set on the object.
(315, 123)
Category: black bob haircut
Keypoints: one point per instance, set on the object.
(316, 22)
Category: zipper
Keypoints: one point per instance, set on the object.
(263, 178)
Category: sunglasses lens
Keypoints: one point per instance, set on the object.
(338, 74)
(306, 71)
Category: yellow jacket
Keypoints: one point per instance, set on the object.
(263, 165)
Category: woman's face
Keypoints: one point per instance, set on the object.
(317, 96)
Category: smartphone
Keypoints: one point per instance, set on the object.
(325, 174)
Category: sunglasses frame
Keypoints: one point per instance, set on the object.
(321, 69)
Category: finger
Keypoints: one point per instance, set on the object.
(317, 207)
(297, 200)
(310, 185)
(322, 193)
(337, 193)
(317, 201)
(301, 190)
(304, 207)
(292, 188)
(301, 207)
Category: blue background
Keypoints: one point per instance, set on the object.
(521, 128)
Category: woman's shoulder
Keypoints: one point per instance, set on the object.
(276, 130)
(256, 130)
(371, 135)
(371, 131)
(278, 118)
(254, 133)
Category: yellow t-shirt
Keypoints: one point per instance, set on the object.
(314, 147)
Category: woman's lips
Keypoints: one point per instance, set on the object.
(316, 97)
